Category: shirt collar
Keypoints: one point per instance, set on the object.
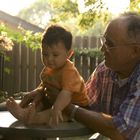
(135, 73)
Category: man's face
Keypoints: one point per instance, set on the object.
(117, 48)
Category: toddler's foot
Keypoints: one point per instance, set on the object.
(15, 109)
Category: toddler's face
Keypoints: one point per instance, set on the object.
(54, 56)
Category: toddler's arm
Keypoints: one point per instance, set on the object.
(62, 100)
(33, 96)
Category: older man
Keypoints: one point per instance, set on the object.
(114, 86)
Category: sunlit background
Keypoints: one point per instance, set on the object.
(114, 6)
(86, 19)
(78, 15)
(14, 6)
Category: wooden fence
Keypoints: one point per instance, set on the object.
(23, 65)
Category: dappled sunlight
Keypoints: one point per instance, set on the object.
(117, 6)
(113, 6)
(14, 6)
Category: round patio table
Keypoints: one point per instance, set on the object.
(10, 127)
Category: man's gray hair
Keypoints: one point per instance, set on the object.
(133, 25)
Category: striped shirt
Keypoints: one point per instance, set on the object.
(121, 100)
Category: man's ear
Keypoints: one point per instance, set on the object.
(136, 52)
(70, 53)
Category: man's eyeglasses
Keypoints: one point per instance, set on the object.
(107, 43)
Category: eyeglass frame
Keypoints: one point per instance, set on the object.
(103, 41)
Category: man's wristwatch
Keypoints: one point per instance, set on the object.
(72, 116)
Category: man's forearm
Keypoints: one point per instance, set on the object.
(97, 122)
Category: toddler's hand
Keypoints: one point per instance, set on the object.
(56, 117)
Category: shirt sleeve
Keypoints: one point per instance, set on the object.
(72, 81)
(127, 121)
(93, 87)
(43, 74)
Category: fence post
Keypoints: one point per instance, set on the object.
(1, 70)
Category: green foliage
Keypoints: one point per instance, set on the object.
(3, 96)
(96, 17)
(91, 52)
(28, 38)
(135, 6)
(36, 13)
(59, 11)
(66, 12)
(6, 43)
(33, 40)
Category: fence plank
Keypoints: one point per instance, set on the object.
(92, 42)
(24, 68)
(78, 64)
(85, 42)
(85, 70)
(32, 71)
(16, 68)
(39, 66)
(77, 42)
(92, 64)
(8, 73)
(1, 70)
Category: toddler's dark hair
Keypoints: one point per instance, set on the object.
(54, 34)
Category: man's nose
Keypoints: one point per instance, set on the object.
(103, 48)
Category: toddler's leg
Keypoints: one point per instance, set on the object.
(27, 115)
(38, 117)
